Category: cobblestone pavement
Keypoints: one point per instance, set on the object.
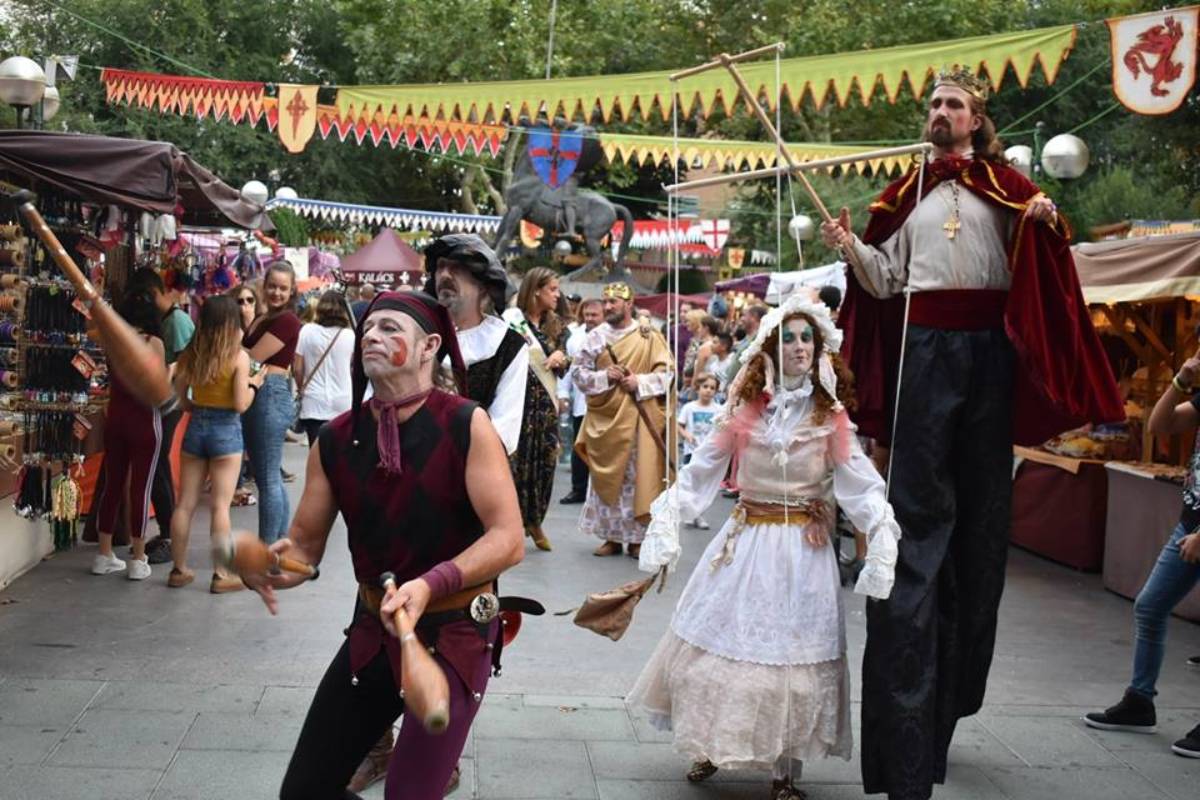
(111, 690)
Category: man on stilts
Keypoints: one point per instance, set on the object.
(999, 348)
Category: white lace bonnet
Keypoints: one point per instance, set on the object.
(831, 337)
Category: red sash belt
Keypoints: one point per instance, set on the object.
(959, 309)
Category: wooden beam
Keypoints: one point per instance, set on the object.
(1148, 332)
(1117, 321)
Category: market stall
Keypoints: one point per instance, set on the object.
(1143, 509)
(387, 261)
(1068, 502)
(93, 191)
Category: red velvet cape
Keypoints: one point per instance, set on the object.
(1062, 378)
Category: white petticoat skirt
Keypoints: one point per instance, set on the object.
(753, 669)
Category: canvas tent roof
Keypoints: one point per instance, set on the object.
(382, 261)
(151, 176)
(1141, 269)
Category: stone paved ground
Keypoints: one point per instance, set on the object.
(111, 690)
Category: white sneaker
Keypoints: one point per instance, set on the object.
(139, 569)
(103, 565)
(701, 523)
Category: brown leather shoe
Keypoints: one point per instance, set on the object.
(633, 550)
(539, 537)
(223, 584)
(608, 549)
(375, 766)
(180, 577)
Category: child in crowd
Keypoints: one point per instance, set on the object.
(696, 420)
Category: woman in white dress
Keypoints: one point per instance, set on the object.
(752, 673)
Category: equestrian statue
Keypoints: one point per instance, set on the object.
(545, 191)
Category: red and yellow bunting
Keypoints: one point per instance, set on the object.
(245, 102)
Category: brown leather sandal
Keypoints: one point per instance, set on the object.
(701, 771)
(608, 549)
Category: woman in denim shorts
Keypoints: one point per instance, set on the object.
(214, 382)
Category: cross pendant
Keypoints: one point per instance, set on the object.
(951, 227)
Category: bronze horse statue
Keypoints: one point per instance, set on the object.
(565, 209)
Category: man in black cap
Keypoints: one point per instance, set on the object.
(466, 277)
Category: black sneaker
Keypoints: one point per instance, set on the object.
(573, 498)
(159, 551)
(1135, 714)
(1188, 746)
(1194, 662)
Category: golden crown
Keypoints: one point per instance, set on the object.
(618, 291)
(961, 78)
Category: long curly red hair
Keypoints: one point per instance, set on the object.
(755, 382)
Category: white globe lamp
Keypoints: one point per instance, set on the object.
(1065, 157)
(1021, 158)
(802, 227)
(22, 83)
(286, 193)
(256, 192)
(50, 103)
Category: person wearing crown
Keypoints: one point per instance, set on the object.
(753, 672)
(625, 370)
(966, 331)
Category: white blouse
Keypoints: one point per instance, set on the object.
(786, 461)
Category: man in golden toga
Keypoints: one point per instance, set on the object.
(622, 365)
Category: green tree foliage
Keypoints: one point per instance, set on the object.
(291, 229)
(342, 42)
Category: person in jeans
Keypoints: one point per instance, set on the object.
(272, 340)
(1176, 573)
(213, 380)
(132, 434)
(250, 306)
(176, 328)
(322, 365)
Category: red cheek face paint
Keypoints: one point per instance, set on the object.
(400, 357)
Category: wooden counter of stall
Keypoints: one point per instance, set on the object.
(1144, 501)
(1059, 505)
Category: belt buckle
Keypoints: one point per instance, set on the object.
(484, 608)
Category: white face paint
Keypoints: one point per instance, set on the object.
(393, 345)
(796, 346)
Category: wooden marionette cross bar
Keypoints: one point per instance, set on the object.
(728, 62)
(746, 56)
(824, 163)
